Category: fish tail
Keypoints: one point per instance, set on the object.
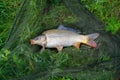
(91, 38)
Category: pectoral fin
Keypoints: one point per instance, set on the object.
(59, 47)
(77, 45)
(43, 46)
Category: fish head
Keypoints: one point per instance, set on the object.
(40, 40)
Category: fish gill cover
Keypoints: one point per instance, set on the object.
(36, 16)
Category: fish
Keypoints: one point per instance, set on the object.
(62, 27)
(56, 38)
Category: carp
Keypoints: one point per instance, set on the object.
(56, 38)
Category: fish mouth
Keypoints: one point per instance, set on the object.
(32, 42)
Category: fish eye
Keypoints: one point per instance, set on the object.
(36, 38)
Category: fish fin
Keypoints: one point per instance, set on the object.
(77, 45)
(92, 43)
(43, 48)
(59, 48)
(91, 38)
(62, 27)
(32, 42)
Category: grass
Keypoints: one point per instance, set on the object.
(57, 65)
(107, 11)
(8, 11)
(25, 59)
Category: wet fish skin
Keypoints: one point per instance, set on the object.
(61, 38)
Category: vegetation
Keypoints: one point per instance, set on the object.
(14, 64)
(8, 11)
(107, 11)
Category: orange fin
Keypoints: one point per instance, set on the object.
(59, 48)
(91, 38)
(77, 45)
(92, 43)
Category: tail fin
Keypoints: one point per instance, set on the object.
(91, 38)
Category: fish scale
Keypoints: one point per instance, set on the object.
(56, 38)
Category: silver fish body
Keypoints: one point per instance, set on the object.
(56, 38)
(62, 37)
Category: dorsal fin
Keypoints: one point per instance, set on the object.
(62, 27)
